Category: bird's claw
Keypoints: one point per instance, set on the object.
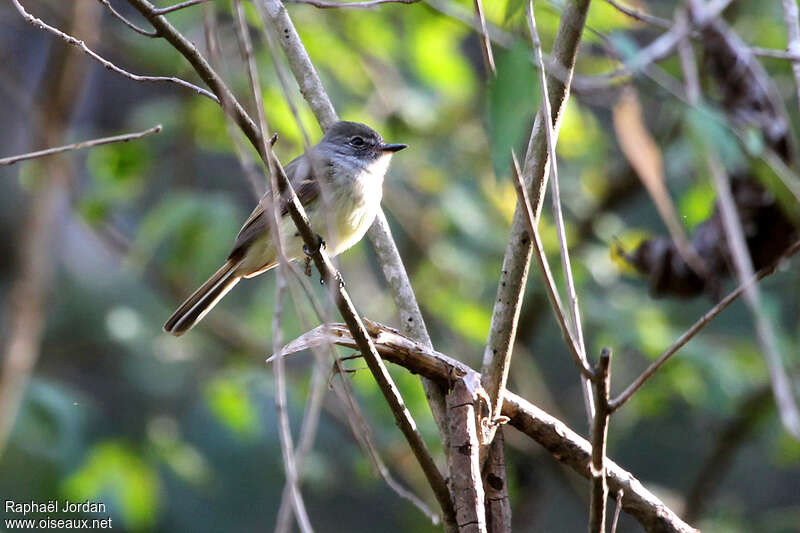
(321, 244)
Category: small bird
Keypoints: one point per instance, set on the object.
(339, 183)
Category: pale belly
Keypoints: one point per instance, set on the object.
(348, 216)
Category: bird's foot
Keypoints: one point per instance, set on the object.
(320, 246)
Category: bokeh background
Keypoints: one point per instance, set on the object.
(180, 434)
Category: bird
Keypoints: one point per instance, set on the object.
(339, 182)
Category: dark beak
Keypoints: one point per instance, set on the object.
(392, 147)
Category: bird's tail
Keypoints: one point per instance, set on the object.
(203, 299)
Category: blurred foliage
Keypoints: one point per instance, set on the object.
(180, 434)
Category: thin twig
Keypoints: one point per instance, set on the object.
(364, 436)
(486, 42)
(703, 321)
(777, 54)
(284, 429)
(511, 285)
(357, 5)
(77, 146)
(128, 23)
(641, 16)
(544, 267)
(617, 509)
(734, 236)
(254, 175)
(188, 50)
(558, 216)
(176, 7)
(39, 23)
(602, 388)
(302, 68)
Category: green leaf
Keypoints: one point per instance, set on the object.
(116, 475)
(230, 402)
(513, 97)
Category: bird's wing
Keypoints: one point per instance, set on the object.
(307, 189)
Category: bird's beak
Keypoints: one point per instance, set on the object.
(392, 147)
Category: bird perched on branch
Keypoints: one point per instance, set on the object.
(339, 183)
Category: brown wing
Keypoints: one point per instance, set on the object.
(307, 189)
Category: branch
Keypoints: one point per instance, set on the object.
(486, 42)
(511, 286)
(188, 50)
(558, 216)
(734, 235)
(544, 267)
(464, 462)
(702, 322)
(640, 15)
(38, 23)
(302, 68)
(284, 429)
(495, 484)
(360, 5)
(176, 7)
(602, 389)
(77, 146)
(127, 22)
(563, 443)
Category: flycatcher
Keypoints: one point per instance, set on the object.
(351, 161)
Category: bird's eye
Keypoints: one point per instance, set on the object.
(357, 141)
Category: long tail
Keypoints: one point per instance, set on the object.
(203, 299)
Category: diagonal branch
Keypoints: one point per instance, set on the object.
(188, 50)
(77, 146)
(544, 267)
(176, 7)
(702, 322)
(39, 23)
(128, 23)
(575, 313)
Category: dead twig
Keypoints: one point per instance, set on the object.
(39, 23)
(356, 5)
(544, 267)
(641, 16)
(176, 7)
(558, 216)
(702, 322)
(127, 22)
(486, 42)
(599, 495)
(77, 146)
(511, 285)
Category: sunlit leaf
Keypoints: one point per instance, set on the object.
(115, 474)
(513, 97)
(230, 402)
